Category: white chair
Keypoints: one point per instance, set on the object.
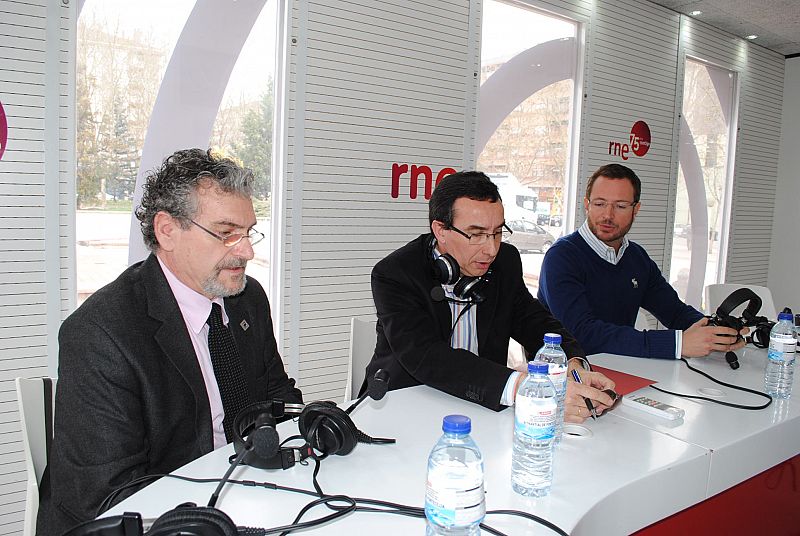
(645, 321)
(715, 294)
(33, 397)
(362, 346)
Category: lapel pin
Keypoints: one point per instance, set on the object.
(245, 325)
(635, 283)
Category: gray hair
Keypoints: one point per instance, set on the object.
(172, 188)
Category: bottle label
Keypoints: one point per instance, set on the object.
(558, 375)
(781, 348)
(447, 506)
(535, 417)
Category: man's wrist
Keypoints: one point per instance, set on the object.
(582, 362)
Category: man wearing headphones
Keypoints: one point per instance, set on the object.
(595, 280)
(449, 301)
(154, 367)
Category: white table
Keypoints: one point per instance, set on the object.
(620, 477)
(742, 443)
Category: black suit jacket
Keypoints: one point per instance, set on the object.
(414, 331)
(131, 400)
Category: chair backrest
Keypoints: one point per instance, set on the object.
(362, 347)
(645, 321)
(716, 294)
(36, 398)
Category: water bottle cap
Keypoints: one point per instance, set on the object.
(552, 338)
(456, 424)
(538, 367)
(784, 316)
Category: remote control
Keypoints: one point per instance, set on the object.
(652, 406)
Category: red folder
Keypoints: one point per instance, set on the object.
(626, 383)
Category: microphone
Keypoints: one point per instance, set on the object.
(376, 388)
(264, 438)
(732, 359)
(437, 295)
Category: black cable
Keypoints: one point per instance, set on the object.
(464, 310)
(542, 521)
(388, 506)
(720, 382)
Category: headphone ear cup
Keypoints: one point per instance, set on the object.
(328, 429)
(193, 521)
(256, 420)
(446, 270)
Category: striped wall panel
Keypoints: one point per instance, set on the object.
(36, 224)
(370, 85)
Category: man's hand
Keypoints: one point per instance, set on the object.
(701, 339)
(592, 386)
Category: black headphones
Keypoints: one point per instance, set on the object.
(323, 426)
(185, 520)
(761, 325)
(446, 271)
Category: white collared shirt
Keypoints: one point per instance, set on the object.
(195, 309)
(465, 333)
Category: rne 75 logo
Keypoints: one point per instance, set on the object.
(639, 142)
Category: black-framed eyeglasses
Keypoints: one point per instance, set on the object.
(478, 239)
(230, 240)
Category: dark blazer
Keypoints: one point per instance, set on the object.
(414, 331)
(131, 400)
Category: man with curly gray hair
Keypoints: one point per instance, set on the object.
(154, 366)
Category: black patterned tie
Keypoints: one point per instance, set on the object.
(227, 369)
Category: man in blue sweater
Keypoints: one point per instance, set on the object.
(595, 280)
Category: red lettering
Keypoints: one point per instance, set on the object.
(416, 171)
(397, 171)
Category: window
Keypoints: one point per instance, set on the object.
(705, 176)
(526, 107)
(123, 51)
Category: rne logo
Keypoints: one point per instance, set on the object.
(639, 142)
(398, 170)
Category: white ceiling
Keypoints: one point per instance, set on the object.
(775, 22)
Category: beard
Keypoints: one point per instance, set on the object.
(214, 287)
(616, 236)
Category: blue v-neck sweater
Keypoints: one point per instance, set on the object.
(598, 301)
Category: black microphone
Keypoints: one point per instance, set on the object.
(264, 437)
(732, 359)
(379, 385)
(437, 295)
(376, 389)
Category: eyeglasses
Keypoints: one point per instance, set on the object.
(621, 206)
(230, 240)
(478, 239)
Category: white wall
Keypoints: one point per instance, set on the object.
(37, 200)
(785, 255)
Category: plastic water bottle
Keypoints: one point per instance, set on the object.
(779, 373)
(454, 499)
(552, 354)
(535, 411)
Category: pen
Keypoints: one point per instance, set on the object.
(588, 402)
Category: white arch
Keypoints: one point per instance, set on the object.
(519, 78)
(192, 89)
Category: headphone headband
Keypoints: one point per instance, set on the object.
(738, 297)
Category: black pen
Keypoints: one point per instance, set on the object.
(588, 402)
